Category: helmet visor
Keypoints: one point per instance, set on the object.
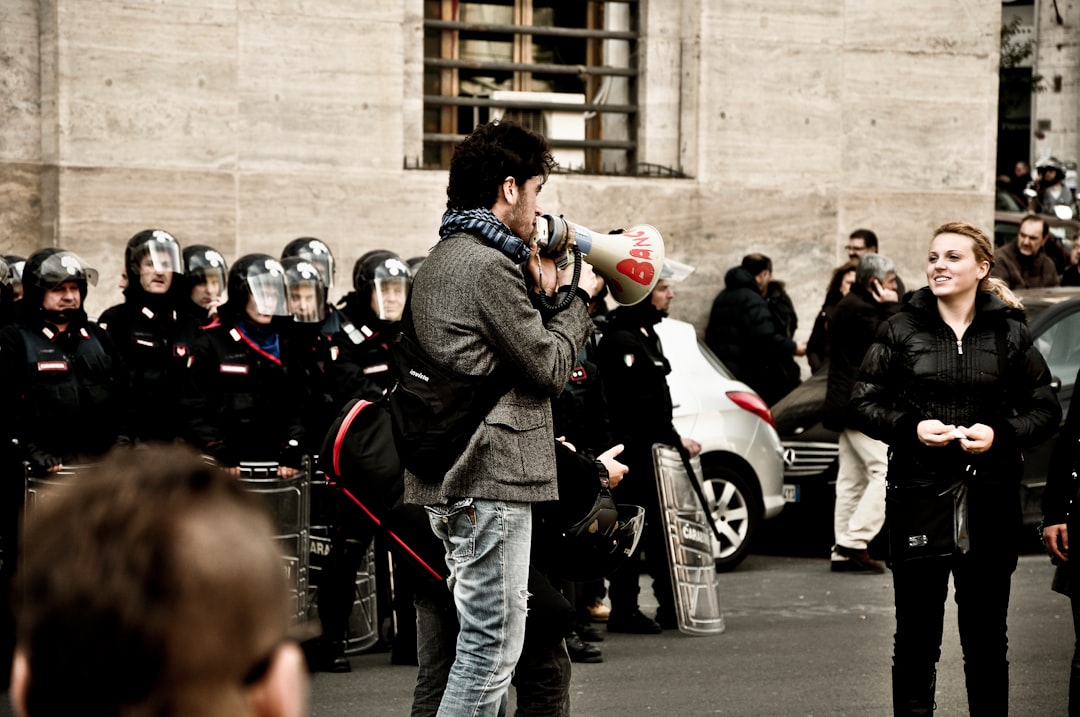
(64, 266)
(388, 297)
(160, 255)
(266, 282)
(307, 293)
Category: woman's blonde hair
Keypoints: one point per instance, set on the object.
(984, 251)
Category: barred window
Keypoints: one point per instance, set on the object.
(565, 68)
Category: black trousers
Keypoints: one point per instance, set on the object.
(983, 583)
(639, 487)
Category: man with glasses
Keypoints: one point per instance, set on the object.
(1023, 263)
(860, 243)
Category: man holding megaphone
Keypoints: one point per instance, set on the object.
(471, 312)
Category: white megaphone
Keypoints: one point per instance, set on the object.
(630, 262)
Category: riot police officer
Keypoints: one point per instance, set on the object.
(381, 283)
(371, 313)
(153, 334)
(60, 369)
(245, 389)
(205, 272)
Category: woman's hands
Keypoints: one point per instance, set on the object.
(973, 439)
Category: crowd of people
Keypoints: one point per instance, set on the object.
(934, 395)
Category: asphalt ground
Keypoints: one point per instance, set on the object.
(799, 641)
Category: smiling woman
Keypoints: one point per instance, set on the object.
(956, 388)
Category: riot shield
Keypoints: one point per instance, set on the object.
(689, 540)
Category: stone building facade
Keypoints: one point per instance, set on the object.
(246, 123)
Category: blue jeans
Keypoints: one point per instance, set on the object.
(487, 551)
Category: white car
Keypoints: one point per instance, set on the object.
(742, 458)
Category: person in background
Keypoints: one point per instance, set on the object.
(381, 282)
(1071, 275)
(153, 334)
(16, 263)
(744, 333)
(817, 346)
(246, 391)
(633, 372)
(860, 243)
(1023, 263)
(64, 381)
(205, 273)
(1060, 520)
(859, 512)
(955, 387)
(196, 624)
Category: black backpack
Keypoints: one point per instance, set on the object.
(435, 410)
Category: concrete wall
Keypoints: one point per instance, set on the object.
(1058, 56)
(246, 123)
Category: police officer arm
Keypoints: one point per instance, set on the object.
(200, 410)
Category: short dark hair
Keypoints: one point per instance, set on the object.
(756, 263)
(149, 583)
(868, 237)
(1035, 218)
(493, 152)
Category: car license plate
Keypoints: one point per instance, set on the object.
(791, 493)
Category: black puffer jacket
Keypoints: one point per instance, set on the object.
(855, 321)
(745, 335)
(918, 370)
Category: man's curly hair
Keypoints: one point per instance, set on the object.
(493, 152)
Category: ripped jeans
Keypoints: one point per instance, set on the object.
(487, 551)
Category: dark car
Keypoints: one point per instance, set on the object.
(810, 449)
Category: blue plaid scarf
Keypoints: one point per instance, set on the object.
(485, 224)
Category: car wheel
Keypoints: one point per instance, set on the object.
(734, 511)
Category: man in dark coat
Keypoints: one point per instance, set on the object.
(744, 333)
(1023, 263)
(860, 481)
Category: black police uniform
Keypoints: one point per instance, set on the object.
(155, 340)
(63, 390)
(633, 371)
(244, 399)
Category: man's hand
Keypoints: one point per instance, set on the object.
(1056, 540)
(615, 470)
(800, 348)
(881, 294)
(544, 272)
(692, 447)
(589, 280)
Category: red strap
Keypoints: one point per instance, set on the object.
(343, 431)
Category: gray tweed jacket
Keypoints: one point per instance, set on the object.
(471, 312)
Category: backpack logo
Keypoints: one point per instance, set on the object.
(416, 374)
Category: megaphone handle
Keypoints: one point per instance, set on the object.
(557, 306)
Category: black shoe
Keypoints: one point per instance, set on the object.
(634, 623)
(330, 657)
(666, 619)
(858, 560)
(588, 633)
(582, 651)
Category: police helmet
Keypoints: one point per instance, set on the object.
(315, 252)
(597, 544)
(16, 263)
(153, 249)
(384, 278)
(307, 292)
(1048, 164)
(260, 277)
(50, 267)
